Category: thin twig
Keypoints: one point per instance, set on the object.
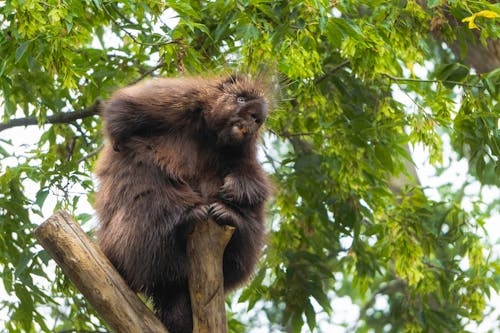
(333, 70)
(404, 79)
(91, 154)
(117, 11)
(289, 135)
(134, 38)
(148, 72)
(271, 160)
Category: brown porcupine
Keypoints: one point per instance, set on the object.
(181, 150)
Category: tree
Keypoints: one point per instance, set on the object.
(339, 224)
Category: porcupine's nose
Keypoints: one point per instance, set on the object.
(257, 111)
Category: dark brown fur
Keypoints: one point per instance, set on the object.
(180, 150)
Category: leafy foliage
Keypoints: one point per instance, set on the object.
(337, 141)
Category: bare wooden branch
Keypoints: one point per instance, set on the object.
(205, 250)
(93, 274)
(60, 118)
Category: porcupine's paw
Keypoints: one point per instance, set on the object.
(242, 190)
(197, 214)
(223, 215)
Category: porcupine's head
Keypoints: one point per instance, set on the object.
(238, 109)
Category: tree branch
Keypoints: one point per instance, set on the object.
(483, 57)
(94, 275)
(205, 249)
(68, 117)
(60, 118)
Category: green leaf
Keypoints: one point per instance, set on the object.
(40, 197)
(25, 312)
(492, 80)
(82, 218)
(297, 322)
(21, 50)
(433, 3)
(452, 73)
(320, 296)
(480, 166)
(3, 152)
(7, 280)
(97, 3)
(22, 264)
(310, 316)
(383, 155)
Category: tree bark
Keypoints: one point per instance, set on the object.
(483, 58)
(205, 249)
(94, 275)
(59, 118)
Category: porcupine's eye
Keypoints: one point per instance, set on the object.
(241, 99)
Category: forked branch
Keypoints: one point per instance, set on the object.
(94, 275)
